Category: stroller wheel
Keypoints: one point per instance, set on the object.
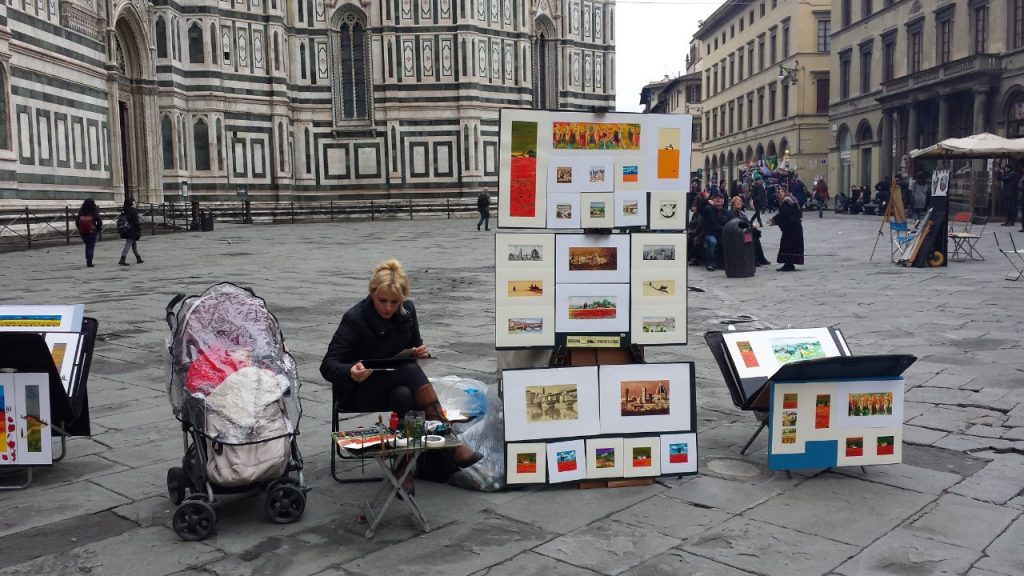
(285, 502)
(176, 483)
(194, 520)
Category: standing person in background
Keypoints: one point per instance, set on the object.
(821, 195)
(919, 196)
(736, 212)
(1010, 179)
(713, 217)
(758, 196)
(483, 205)
(791, 246)
(132, 234)
(800, 193)
(89, 225)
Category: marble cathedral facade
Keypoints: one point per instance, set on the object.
(167, 100)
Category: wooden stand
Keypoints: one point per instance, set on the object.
(621, 483)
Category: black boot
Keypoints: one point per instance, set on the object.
(138, 260)
(122, 262)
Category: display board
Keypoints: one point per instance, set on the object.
(25, 414)
(825, 424)
(600, 422)
(589, 290)
(580, 170)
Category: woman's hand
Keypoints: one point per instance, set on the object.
(360, 373)
(421, 352)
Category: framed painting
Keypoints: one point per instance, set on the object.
(658, 325)
(597, 210)
(591, 308)
(567, 461)
(592, 258)
(32, 401)
(523, 146)
(524, 327)
(629, 173)
(526, 463)
(661, 251)
(642, 456)
(760, 353)
(604, 457)
(679, 453)
(598, 172)
(564, 210)
(551, 403)
(869, 403)
(8, 420)
(638, 398)
(565, 174)
(630, 209)
(517, 251)
(668, 211)
(64, 350)
(524, 287)
(668, 152)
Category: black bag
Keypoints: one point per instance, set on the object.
(124, 227)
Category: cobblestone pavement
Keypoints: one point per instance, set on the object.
(952, 507)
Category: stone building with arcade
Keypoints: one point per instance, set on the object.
(167, 100)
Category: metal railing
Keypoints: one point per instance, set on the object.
(30, 227)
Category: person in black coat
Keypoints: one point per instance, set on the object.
(713, 216)
(89, 225)
(736, 211)
(791, 246)
(483, 206)
(134, 233)
(384, 325)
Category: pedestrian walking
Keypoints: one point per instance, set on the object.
(483, 205)
(759, 198)
(1010, 179)
(791, 246)
(89, 224)
(821, 195)
(131, 233)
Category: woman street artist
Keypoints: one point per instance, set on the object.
(384, 325)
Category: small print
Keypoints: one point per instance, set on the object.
(871, 404)
(525, 326)
(854, 447)
(597, 209)
(789, 401)
(528, 288)
(789, 435)
(593, 258)
(555, 403)
(630, 173)
(658, 324)
(525, 253)
(597, 173)
(526, 463)
(747, 353)
(642, 457)
(566, 461)
(592, 307)
(886, 446)
(789, 418)
(678, 453)
(605, 458)
(660, 288)
(630, 207)
(660, 252)
(563, 175)
(563, 211)
(822, 411)
(644, 397)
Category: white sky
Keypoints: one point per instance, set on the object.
(652, 39)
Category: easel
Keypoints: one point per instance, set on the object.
(893, 209)
(634, 354)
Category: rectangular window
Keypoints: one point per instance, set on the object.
(760, 54)
(741, 24)
(750, 110)
(865, 8)
(771, 103)
(844, 75)
(750, 57)
(785, 99)
(715, 76)
(762, 9)
(732, 125)
(785, 42)
(980, 29)
(732, 71)
(945, 40)
(865, 71)
(751, 16)
(822, 96)
(1018, 23)
(825, 35)
(741, 63)
(760, 106)
(914, 56)
(739, 113)
(774, 48)
(847, 13)
(888, 59)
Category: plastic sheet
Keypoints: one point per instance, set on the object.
(228, 364)
(466, 395)
(487, 436)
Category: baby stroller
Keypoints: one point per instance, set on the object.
(234, 387)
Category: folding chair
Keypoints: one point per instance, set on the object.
(902, 239)
(961, 222)
(965, 238)
(1015, 257)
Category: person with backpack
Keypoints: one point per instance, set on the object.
(89, 224)
(483, 206)
(130, 228)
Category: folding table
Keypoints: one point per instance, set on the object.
(391, 483)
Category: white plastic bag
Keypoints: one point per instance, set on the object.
(487, 436)
(466, 395)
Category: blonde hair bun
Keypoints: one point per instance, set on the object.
(390, 275)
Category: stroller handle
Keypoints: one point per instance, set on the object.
(170, 309)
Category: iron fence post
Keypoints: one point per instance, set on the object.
(371, 210)
(67, 226)
(410, 208)
(293, 211)
(28, 228)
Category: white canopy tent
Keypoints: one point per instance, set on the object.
(978, 147)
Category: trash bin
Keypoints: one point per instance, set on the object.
(206, 220)
(738, 248)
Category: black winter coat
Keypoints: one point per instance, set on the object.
(364, 335)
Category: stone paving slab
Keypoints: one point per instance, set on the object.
(532, 564)
(563, 509)
(41, 507)
(676, 562)
(671, 517)
(768, 549)
(961, 521)
(608, 547)
(901, 553)
(997, 482)
(858, 512)
(1006, 555)
(721, 494)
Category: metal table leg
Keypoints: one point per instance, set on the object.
(391, 487)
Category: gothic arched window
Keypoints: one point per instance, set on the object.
(167, 138)
(545, 65)
(350, 61)
(201, 143)
(161, 37)
(195, 44)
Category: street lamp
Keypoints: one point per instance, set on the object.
(789, 73)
